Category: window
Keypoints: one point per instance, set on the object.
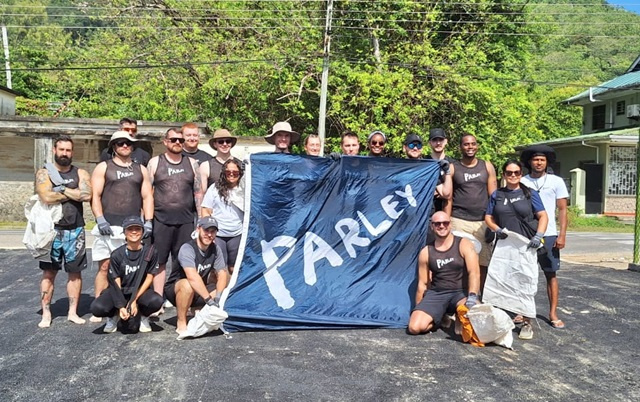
(621, 108)
(598, 117)
(622, 171)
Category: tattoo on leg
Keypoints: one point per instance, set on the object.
(44, 294)
(72, 301)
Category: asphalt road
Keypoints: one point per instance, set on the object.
(594, 358)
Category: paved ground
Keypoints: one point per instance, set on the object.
(595, 357)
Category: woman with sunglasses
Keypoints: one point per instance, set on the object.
(516, 208)
(225, 202)
(376, 142)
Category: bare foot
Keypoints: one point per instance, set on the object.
(75, 319)
(93, 318)
(45, 322)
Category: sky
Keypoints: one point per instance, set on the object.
(631, 5)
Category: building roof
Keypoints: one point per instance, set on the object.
(629, 80)
(9, 90)
(625, 136)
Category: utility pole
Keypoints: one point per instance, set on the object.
(635, 266)
(322, 117)
(5, 45)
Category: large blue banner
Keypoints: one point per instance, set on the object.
(330, 244)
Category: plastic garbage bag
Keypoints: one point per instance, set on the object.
(491, 325)
(206, 320)
(40, 233)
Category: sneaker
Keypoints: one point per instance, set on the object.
(167, 304)
(144, 324)
(526, 332)
(112, 324)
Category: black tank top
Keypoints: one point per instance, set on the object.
(470, 196)
(447, 267)
(121, 196)
(173, 191)
(215, 169)
(71, 210)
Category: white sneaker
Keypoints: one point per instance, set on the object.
(167, 304)
(144, 324)
(112, 324)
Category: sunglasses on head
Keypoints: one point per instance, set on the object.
(176, 139)
(232, 173)
(512, 173)
(415, 145)
(441, 223)
(123, 143)
(224, 141)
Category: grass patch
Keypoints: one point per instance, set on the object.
(581, 223)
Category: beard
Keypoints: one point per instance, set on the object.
(62, 160)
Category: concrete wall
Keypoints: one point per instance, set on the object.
(7, 103)
(619, 205)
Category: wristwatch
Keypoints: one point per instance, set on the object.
(63, 188)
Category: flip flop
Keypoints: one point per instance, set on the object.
(518, 319)
(557, 324)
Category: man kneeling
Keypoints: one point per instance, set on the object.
(441, 268)
(130, 276)
(199, 275)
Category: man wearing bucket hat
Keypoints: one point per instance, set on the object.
(282, 136)
(222, 142)
(191, 134)
(554, 194)
(138, 154)
(192, 283)
(121, 188)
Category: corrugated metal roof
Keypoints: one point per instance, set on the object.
(625, 81)
(627, 135)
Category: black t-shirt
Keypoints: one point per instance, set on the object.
(438, 203)
(199, 155)
(125, 263)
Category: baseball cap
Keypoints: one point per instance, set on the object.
(132, 221)
(207, 222)
(412, 138)
(436, 133)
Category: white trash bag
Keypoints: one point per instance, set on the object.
(491, 325)
(206, 320)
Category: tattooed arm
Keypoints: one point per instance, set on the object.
(44, 189)
(83, 192)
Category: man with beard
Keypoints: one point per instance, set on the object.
(554, 194)
(192, 283)
(63, 183)
(474, 180)
(121, 188)
(191, 141)
(138, 154)
(177, 197)
(210, 170)
(282, 136)
(442, 266)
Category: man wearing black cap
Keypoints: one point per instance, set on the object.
(192, 282)
(121, 188)
(554, 194)
(131, 271)
(438, 142)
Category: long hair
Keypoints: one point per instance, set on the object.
(222, 185)
(525, 189)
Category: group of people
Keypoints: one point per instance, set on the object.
(189, 205)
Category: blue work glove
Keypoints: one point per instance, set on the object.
(444, 166)
(59, 189)
(536, 241)
(148, 228)
(334, 156)
(472, 300)
(502, 233)
(103, 226)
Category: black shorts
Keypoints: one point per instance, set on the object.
(438, 302)
(550, 261)
(68, 250)
(170, 294)
(169, 238)
(229, 247)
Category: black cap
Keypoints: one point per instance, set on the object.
(412, 138)
(208, 222)
(436, 133)
(534, 150)
(132, 221)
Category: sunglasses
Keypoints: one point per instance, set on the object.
(441, 223)
(377, 143)
(224, 141)
(415, 145)
(123, 143)
(176, 139)
(512, 173)
(231, 173)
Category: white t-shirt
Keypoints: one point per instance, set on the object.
(229, 216)
(551, 188)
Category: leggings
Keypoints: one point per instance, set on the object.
(148, 303)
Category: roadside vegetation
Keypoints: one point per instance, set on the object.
(578, 222)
